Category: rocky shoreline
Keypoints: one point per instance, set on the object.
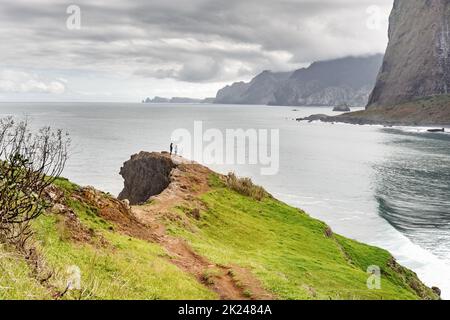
(430, 111)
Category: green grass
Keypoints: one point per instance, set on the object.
(289, 251)
(123, 268)
(112, 265)
(15, 280)
(66, 185)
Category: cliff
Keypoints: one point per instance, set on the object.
(417, 59)
(145, 175)
(412, 87)
(204, 236)
(325, 83)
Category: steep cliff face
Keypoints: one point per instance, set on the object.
(145, 175)
(325, 83)
(417, 59)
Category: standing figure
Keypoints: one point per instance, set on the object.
(176, 149)
(171, 148)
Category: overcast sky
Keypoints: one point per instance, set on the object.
(126, 50)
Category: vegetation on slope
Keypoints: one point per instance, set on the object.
(295, 256)
(112, 265)
(266, 242)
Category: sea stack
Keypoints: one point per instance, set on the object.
(417, 59)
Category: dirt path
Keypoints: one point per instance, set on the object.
(189, 181)
(146, 222)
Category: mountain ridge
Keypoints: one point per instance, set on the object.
(346, 80)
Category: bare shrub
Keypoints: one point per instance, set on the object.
(246, 187)
(29, 163)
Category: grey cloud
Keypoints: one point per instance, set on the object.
(193, 41)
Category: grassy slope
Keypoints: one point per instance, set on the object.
(15, 280)
(283, 247)
(289, 251)
(123, 268)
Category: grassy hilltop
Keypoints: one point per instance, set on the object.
(205, 237)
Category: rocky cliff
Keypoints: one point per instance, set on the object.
(145, 175)
(417, 59)
(326, 83)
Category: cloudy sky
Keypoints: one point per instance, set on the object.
(125, 50)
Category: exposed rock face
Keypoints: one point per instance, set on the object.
(145, 175)
(342, 108)
(417, 60)
(326, 83)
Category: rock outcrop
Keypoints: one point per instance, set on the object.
(417, 59)
(342, 108)
(145, 175)
(327, 83)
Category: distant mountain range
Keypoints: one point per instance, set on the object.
(326, 83)
(178, 100)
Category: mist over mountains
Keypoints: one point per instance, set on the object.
(326, 83)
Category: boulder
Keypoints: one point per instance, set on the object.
(145, 175)
(342, 108)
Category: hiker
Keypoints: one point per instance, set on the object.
(171, 148)
(176, 149)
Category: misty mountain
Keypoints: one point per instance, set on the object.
(326, 83)
(260, 90)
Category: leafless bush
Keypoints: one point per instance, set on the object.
(29, 163)
(246, 187)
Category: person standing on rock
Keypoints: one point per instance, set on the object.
(176, 149)
(171, 148)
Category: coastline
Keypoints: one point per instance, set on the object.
(430, 111)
